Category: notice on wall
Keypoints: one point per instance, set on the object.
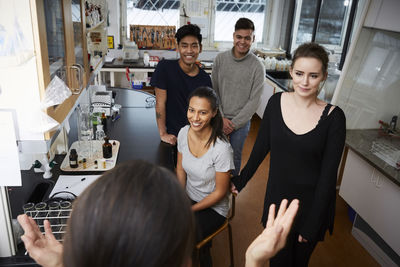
(9, 160)
(202, 22)
(110, 41)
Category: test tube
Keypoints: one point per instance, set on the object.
(54, 220)
(41, 213)
(65, 211)
(54, 207)
(29, 208)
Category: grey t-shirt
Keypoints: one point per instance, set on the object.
(200, 172)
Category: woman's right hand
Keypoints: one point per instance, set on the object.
(273, 238)
(44, 249)
(233, 189)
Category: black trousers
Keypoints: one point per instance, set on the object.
(207, 222)
(294, 254)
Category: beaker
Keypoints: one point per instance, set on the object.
(85, 131)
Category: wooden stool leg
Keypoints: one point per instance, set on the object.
(230, 244)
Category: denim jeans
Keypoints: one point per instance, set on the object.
(237, 138)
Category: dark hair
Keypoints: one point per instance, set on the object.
(216, 122)
(244, 24)
(188, 30)
(134, 215)
(313, 50)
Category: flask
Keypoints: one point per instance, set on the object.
(73, 158)
(100, 133)
(107, 148)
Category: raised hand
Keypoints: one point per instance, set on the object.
(273, 238)
(44, 249)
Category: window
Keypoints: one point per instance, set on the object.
(227, 12)
(330, 29)
(153, 12)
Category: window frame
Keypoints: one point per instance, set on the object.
(228, 44)
(295, 26)
(208, 43)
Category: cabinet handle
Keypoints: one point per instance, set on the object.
(379, 182)
(373, 177)
(82, 72)
(78, 68)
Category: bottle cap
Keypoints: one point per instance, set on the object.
(73, 151)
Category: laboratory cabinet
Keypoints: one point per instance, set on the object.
(383, 14)
(45, 38)
(61, 43)
(374, 197)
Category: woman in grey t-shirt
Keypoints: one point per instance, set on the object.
(205, 160)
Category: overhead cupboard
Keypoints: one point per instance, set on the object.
(48, 38)
(61, 43)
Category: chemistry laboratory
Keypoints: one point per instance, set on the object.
(199, 133)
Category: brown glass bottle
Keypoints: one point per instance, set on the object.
(73, 158)
(107, 148)
(104, 122)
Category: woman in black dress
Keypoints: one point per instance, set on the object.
(305, 137)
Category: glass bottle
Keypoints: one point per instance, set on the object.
(107, 148)
(100, 133)
(73, 158)
(104, 121)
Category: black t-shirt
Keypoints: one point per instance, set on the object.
(169, 76)
(302, 166)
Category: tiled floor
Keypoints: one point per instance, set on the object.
(340, 249)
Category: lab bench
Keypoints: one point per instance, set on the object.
(117, 65)
(371, 186)
(137, 132)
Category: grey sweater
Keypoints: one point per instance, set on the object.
(239, 84)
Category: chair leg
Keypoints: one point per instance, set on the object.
(230, 244)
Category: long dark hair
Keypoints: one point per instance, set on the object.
(216, 122)
(134, 215)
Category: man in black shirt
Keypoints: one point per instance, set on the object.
(174, 80)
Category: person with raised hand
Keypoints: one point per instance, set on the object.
(44, 249)
(305, 137)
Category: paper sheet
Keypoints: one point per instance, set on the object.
(72, 183)
(10, 174)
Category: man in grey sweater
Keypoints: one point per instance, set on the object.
(238, 78)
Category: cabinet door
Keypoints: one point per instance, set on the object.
(76, 39)
(374, 197)
(383, 14)
(62, 45)
(55, 36)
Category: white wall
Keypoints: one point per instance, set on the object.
(114, 20)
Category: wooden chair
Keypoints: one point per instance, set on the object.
(225, 225)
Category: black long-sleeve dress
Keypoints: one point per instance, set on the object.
(301, 166)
